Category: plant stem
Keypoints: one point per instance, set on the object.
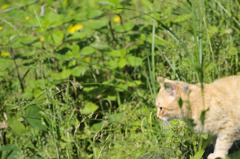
(111, 29)
(17, 68)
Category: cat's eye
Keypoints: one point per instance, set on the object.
(160, 108)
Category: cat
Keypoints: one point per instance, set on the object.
(219, 100)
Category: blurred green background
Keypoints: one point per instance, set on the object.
(78, 77)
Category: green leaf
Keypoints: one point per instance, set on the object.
(18, 14)
(158, 40)
(16, 126)
(74, 53)
(11, 151)
(213, 30)
(112, 64)
(117, 117)
(37, 92)
(88, 50)
(79, 17)
(134, 61)
(77, 35)
(63, 75)
(96, 24)
(181, 18)
(89, 108)
(111, 98)
(55, 38)
(122, 63)
(100, 45)
(119, 28)
(88, 89)
(33, 117)
(121, 87)
(99, 126)
(133, 83)
(27, 40)
(123, 52)
(93, 12)
(180, 102)
(36, 84)
(75, 48)
(114, 53)
(191, 122)
(28, 93)
(127, 27)
(79, 70)
(54, 19)
(202, 116)
(113, 2)
(5, 63)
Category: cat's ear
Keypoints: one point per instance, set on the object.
(170, 88)
(185, 89)
(161, 81)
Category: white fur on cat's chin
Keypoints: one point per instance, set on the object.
(165, 122)
(163, 119)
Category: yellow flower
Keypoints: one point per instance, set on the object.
(79, 26)
(87, 59)
(73, 28)
(4, 53)
(117, 19)
(27, 18)
(5, 6)
(1, 28)
(42, 39)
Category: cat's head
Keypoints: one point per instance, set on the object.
(168, 99)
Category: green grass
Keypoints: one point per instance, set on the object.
(91, 93)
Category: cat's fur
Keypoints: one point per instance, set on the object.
(220, 100)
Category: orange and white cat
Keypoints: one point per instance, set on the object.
(219, 100)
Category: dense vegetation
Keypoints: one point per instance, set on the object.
(78, 78)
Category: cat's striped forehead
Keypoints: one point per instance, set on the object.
(164, 99)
